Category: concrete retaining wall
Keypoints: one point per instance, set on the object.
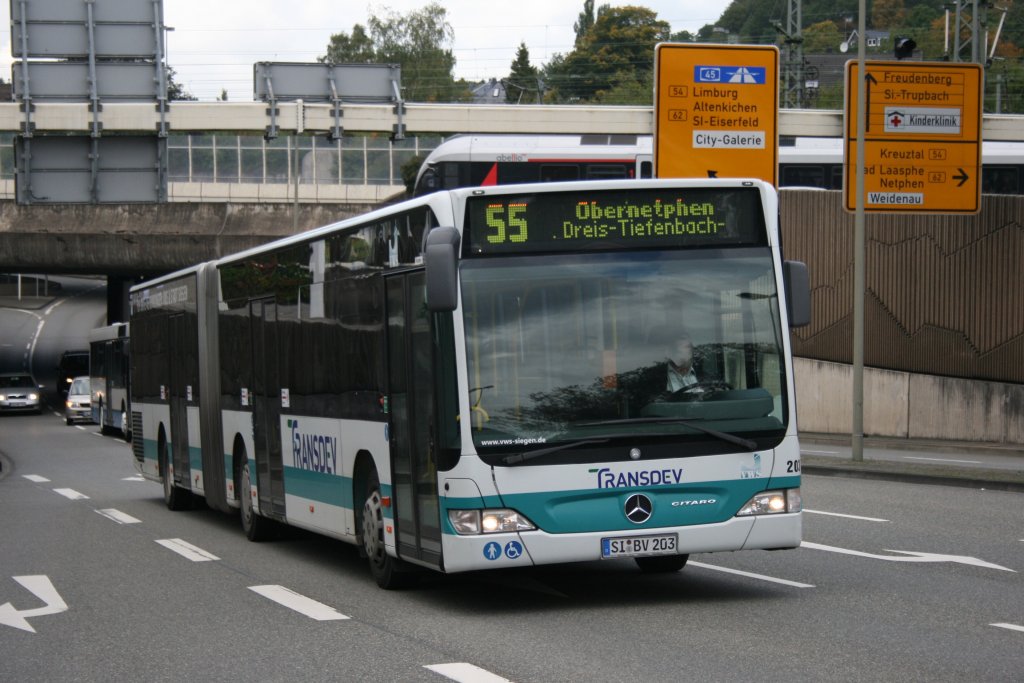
(909, 406)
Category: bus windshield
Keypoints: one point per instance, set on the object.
(649, 343)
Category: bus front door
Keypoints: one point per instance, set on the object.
(266, 407)
(177, 398)
(411, 395)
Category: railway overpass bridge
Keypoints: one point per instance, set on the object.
(204, 220)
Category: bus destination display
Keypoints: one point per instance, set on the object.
(614, 219)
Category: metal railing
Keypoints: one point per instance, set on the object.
(253, 160)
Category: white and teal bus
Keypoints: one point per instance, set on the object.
(480, 378)
(108, 378)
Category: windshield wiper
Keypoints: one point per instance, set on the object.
(541, 452)
(724, 436)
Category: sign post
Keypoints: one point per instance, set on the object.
(922, 136)
(716, 111)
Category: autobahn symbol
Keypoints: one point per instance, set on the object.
(41, 587)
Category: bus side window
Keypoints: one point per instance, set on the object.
(803, 176)
(999, 180)
(553, 173)
(606, 172)
(837, 177)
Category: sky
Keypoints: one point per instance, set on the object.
(215, 42)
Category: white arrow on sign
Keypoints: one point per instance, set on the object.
(39, 586)
(909, 556)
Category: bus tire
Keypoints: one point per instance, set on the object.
(389, 572)
(175, 497)
(661, 564)
(256, 527)
(104, 428)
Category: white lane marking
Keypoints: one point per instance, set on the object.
(1012, 627)
(802, 451)
(909, 556)
(187, 550)
(762, 577)
(300, 603)
(839, 514)
(71, 494)
(137, 477)
(118, 516)
(967, 462)
(465, 673)
(36, 478)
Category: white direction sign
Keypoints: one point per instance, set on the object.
(909, 556)
(41, 587)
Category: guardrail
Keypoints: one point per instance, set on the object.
(412, 119)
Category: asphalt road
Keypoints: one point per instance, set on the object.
(895, 581)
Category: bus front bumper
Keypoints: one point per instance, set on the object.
(531, 548)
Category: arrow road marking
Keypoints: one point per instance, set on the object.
(909, 556)
(300, 603)
(1012, 627)
(41, 587)
(840, 514)
(762, 577)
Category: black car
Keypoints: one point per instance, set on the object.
(72, 364)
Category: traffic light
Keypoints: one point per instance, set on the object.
(905, 47)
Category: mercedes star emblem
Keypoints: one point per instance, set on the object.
(638, 508)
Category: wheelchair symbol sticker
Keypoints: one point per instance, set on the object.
(513, 550)
(492, 551)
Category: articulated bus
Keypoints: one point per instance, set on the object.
(490, 378)
(472, 160)
(108, 379)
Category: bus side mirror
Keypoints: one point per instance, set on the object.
(798, 292)
(442, 258)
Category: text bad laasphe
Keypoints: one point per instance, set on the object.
(594, 220)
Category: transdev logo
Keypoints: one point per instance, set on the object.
(750, 75)
(314, 452)
(606, 479)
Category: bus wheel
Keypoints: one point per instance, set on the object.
(175, 497)
(387, 571)
(255, 526)
(662, 564)
(104, 429)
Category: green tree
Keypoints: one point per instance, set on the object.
(176, 91)
(887, 14)
(585, 21)
(420, 42)
(619, 47)
(343, 48)
(824, 36)
(522, 84)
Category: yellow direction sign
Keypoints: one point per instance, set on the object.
(716, 111)
(922, 139)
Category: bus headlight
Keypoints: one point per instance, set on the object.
(467, 522)
(772, 502)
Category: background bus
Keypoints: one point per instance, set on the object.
(473, 160)
(109, 379)
(478, 378)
